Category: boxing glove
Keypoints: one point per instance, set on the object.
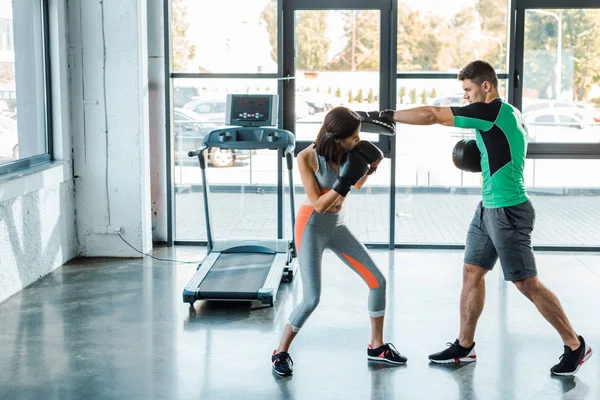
(371, 153)
(381, 122)
(353, 167)
(466, 156)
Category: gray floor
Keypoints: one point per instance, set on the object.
(425, 218)
(117, 329)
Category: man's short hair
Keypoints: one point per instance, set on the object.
(478, 72)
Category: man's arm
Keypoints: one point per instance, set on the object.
(426, 115)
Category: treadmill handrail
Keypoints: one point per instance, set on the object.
(249, 138)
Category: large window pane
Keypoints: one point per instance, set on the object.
(337, 64)
(227, 36)
(444, 36)
(561, 85)
(240, 181)
(22, 73)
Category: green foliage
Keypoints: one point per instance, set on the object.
(371, 98)
(361, 36)
(350, 96)
(413, 96)
(182, 50)
(312, 41)
(338, 92)
(419, 43)
(361, 96)
(329, 90)
(424, 97)
(268, 19)
(433, 93)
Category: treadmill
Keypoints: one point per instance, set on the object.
(246, 269)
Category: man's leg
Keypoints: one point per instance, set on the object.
(480, 257)
(472, 299)
(549, 306)
(511, 229)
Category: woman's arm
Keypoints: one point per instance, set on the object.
(320, 202)
(362, 181)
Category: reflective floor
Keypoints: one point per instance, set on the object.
(118, 329)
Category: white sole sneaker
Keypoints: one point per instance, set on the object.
(588, 354)
(385, 360)
(469, 358)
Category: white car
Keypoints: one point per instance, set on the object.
(9, 139)
(561, 124)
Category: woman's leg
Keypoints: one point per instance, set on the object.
(351, 250)
(311, 241)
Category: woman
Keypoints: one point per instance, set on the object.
(335, 162)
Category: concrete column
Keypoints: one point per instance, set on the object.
(111, 125)
(158, 131)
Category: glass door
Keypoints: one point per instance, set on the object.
(340, 57)
(559, 95)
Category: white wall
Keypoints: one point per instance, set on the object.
(37, 210)
(109, 87)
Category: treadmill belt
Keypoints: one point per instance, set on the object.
(236, 276)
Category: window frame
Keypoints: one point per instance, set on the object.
(25, 163)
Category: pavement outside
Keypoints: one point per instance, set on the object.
(423, 218)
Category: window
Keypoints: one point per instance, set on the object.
(436, 36)
(545, 119)
(24, 105)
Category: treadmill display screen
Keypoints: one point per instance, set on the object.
(252, 110)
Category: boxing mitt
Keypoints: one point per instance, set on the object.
(381, 122)
(466, 155)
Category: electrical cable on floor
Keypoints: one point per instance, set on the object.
(156, 258)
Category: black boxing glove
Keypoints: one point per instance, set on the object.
(371, 153)
(353, 167)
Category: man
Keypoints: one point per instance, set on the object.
(504, 219)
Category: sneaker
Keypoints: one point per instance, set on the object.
(455, 353)
(386, 353)
(282, 363)
(571, 360)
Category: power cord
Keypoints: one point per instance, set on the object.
(156, 258)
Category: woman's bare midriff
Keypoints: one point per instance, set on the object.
(337, 206)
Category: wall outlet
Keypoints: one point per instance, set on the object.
(114, 230)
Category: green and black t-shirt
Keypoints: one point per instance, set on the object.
(502, 140)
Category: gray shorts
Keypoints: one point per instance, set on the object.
(503, 233)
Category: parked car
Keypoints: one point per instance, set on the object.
(561, 124)
(456, 100)
(9, 139)
(212, 110)
(190, 128)
(183, 94)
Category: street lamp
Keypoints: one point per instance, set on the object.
(495, 39)
(559, 47)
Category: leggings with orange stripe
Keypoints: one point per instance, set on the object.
(316, 232)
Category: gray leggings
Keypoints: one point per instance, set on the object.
(317, 232)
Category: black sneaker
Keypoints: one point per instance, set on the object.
(571, 360)
(386, 353)
(282, 363)
(455, 353)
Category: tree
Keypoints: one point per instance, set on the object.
(268, 18)
(182, 50)
(361, 36)
(580, 66)
(312, 41)
(493, 16)
(419, 41)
